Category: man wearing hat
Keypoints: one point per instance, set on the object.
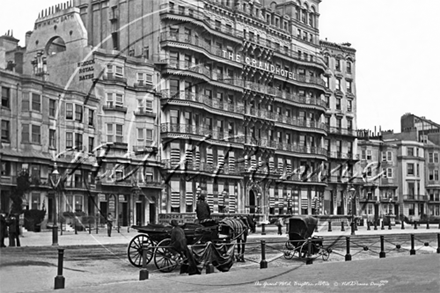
(203, 211)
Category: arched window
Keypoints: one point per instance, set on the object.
(55, 46)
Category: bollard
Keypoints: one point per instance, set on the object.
(438, 243)
(412, 251)
(403, 225)
(427, 224)
(263, 262)
(389, 225)
(55, 235)
(342, 226)
(382, 226)
(263, 229)
(143, 273)
(329, 226)
(348, 255)
(382, 247)
(375, 224)
(309, 260)
(368, 225)
(415, 225)
(59, 279)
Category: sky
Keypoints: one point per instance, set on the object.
(397, 52)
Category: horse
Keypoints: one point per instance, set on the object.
(238, 229)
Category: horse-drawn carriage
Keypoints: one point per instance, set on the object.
(301, 229)
(155, 239)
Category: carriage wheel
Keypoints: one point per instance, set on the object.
(164, 259)
(136, 248)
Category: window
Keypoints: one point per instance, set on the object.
(431, 157)
(389, 156)
(411, 189)
(6, 97)
(431, 174)
(389, 173)
(411, 209)
(119, 133)
(91, 144)
(36, 102)
(435, 157)
(338, 104)
(349, 124)
(326, 81)
(25, 133)
(36, 134)
(418, 170)
(369, 156)
(410, 169)
(349, 105)
(78, 203)
(69, 111)
(91, 116)
(174, 87)
(119, 100)
(5, 168)
(52, 108)
(25, 103)
(348, 67)
(69, 140)
(35, 201)
(338, 64)
(119, 71)
(149, 106)
(149, 136)
(52, 138)
(436, 175)
(349, 83)
(410, 151)
(5, 130)
(78, 141)
(78, 113)
(338, 84)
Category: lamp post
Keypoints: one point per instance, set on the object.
(353, 209)
(55, 179)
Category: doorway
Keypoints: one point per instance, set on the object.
(252, 202)
(139, 220)
(152, 213)
(103, 212)
(123, 214)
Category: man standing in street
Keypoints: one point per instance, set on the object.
(110, 220)
(203, 211)
(3, 230)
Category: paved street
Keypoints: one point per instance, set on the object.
(96, 259)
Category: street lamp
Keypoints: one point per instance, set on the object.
(353, 209)
(55, 180)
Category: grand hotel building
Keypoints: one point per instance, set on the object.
(248, 101)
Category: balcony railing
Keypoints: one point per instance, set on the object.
(201, 131)
(342, 131)
(413, 197)
(201, 98)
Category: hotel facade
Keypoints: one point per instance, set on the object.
(237, 100)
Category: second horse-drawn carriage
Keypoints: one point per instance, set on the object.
(155, 240)
(301, 229)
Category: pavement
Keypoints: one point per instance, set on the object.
(402, 274)
(417, 273)
(125, 235)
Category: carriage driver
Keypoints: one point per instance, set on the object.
(203, 211)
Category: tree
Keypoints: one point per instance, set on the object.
(23, 185)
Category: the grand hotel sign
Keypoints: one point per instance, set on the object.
(258, 64)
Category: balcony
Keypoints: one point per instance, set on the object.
(230, 169)
(229, 108)
(342, 131)
(144, 148)
(200, 131)
(413, 198)
(114, 108)
(201, 17)
(143, 85)
(115, 78)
